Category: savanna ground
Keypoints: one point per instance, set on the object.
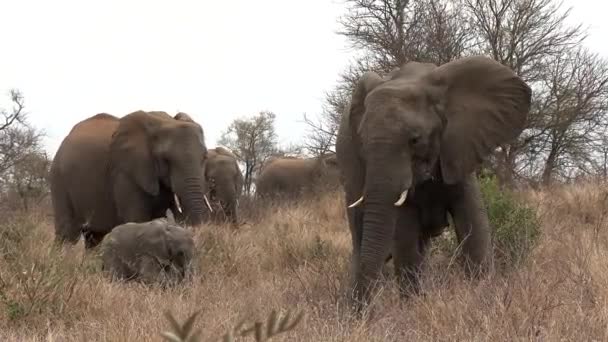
(298, 258)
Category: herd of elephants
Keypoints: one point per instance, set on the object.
(407, 149)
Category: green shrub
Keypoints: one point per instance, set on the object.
(515, 225)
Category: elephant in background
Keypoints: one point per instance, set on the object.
(289, 177)
(150, 252)
(224, 184)
(408, 146)
(109, 170)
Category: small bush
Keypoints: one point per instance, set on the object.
(514, 224)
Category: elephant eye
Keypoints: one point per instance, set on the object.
(414, 140)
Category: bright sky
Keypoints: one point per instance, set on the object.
(215, 60)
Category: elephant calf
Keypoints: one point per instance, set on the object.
(151, 252)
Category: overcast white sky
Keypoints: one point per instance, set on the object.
(215, 60)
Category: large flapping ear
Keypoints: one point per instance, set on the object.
(366, 84)
(485, 104)
(131, 149)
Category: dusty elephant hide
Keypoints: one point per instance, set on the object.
(287, 178)
(150, 252)
(224, 185)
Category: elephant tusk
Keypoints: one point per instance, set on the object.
(177, 204)
(356, 203)
(208, 204)
(401, 199)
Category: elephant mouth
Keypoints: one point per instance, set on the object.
(179, 206)
(398, 203)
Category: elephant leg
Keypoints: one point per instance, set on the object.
(472, 226)
(67, 229)
(131, 203)
(409, 251)
(92, 239)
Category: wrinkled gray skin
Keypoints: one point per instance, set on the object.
(224, 184)
(111, 170)
(289, 177)
(424, 129)
(149, 252)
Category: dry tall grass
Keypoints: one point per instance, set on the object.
(297, 258)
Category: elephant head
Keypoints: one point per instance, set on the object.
(160, 155)
(224, 181)
(421, 122)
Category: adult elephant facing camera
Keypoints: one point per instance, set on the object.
(224, 184)
(408, 147)
(110, 171)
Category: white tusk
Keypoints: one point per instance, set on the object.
(208, 204)
(359, 201)
(177, 204)
(401, 199)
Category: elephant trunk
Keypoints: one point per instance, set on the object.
(226, 194)
(383, 188)
(190, 193)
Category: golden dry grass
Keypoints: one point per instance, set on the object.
(297, 258)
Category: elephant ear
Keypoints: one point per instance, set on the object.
(355, 111)
(225, 151)
(485, 104)
(183, 117)
(179, 244)
(212, 153)
(131, 149)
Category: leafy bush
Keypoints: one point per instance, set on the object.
(514, 224)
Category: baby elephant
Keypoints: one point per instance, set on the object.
(150, 252)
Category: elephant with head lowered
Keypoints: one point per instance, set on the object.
(289, 177)
(156, 251)
(408, 146)
(224, 184)
(108, 171)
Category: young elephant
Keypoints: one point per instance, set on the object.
(224, 183)
(288, 177)
(150, 252)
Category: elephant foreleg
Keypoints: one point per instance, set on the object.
(472, 226)
(409, 251)
(132, 204)
(92, 239)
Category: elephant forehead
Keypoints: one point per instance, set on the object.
(397, 93)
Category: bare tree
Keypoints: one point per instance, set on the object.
(17, 137)
(322, 132)
(26, 183)
(22, 177)
(525, 35)
(252, 140)
(574, 112)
